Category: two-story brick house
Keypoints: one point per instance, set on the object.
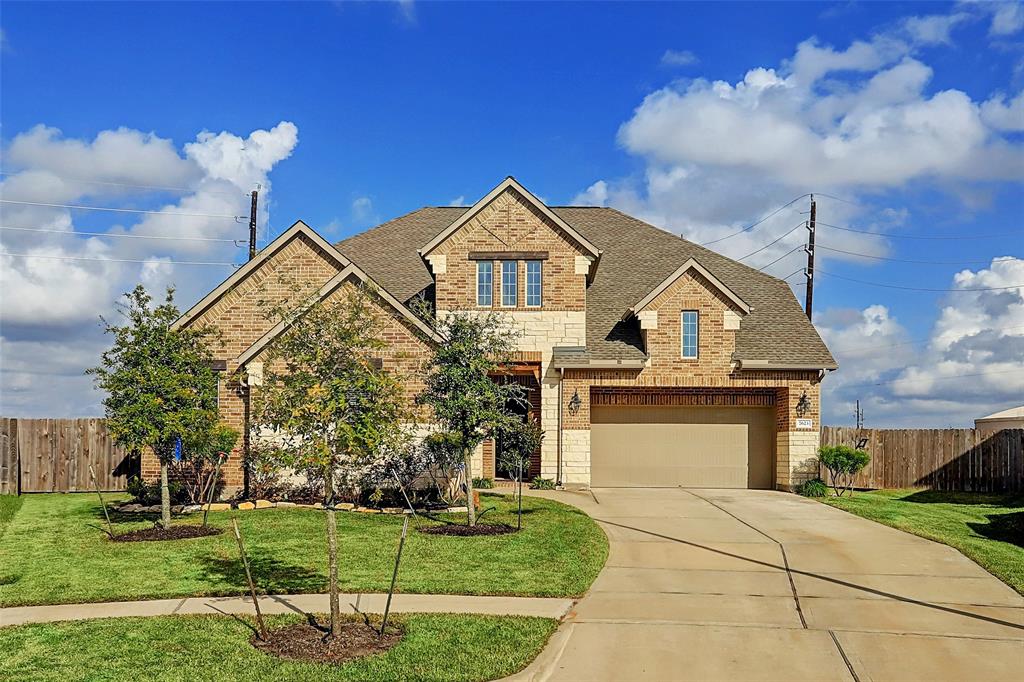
(653, 361)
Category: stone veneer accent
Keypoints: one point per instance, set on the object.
(540, 331)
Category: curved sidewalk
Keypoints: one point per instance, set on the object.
(291, 603)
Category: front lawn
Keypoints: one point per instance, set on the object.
(54, 551)
(9, 506)
(436, 647)
(986, 527)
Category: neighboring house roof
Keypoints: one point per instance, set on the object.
(636, 258)
(326, 290)
(690, 264)
(510, 183)
(1012, 413)
(299, 228)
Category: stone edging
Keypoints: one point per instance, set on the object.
(135, 508)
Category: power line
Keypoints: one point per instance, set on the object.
(236, 242)
(120, 184)
(906, 288)
(795, 272)
(753, 225)
(120, 210)
(920, 262)
(945, 378)
(774, 241)
(113, 260)
(793, 250)
(914, 236)
(845, 201)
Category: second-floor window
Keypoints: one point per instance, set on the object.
(509, 284)
(534, 285)
(484, 282)
(689, 322)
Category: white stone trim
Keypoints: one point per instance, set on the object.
(648, 319)
(438, 263)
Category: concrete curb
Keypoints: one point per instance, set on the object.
(292, 603)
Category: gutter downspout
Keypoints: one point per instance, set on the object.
(558, 474)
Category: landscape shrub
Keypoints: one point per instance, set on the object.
(483, 482)
(198, 467)
(264, 467)
(443, 450)
(813, 488)
(843, 463)
(310, 489)
(148, 494)
(539, 483)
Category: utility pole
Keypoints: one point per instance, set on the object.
(859, 414)
(809, 273)
(252, 225)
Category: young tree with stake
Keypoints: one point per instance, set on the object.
(460, 384)
(335, 409)
(519, 440)
(159, 382)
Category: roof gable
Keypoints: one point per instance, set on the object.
(296, 230)
(690, 264)
(350, 272)
(636, 257)
(541, 207)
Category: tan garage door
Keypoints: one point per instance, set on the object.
(695, 447)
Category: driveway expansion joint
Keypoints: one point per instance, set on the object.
(785, 560)
(846, 659)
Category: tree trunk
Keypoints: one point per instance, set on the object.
(332, 553)
(470, 507)
(165, 497)
(519, 521)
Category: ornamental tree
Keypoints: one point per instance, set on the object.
(461, 387)
(333, 407)
(843, 463)
(159, 382)
(518, 441)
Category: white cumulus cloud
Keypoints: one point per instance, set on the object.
(56, 281)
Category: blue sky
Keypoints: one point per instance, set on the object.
(700, 118)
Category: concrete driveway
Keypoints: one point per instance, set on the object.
(764, 585)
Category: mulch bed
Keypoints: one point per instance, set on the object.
(303, 642)
(462, 530)
(157, 533)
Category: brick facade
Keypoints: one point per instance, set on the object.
(296, 269)
(715, 344)
(512, 224)
(509, 224)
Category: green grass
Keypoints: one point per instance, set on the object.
(55, 551)
(9, 506)
(435, 647)
(987, 528)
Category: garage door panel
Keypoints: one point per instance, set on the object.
(682, 446)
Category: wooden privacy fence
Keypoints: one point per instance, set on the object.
(941, 459)
(53, 455)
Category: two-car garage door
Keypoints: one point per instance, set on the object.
(697, 447)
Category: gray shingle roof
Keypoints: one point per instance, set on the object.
(636, 257)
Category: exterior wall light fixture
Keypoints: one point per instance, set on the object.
(575, 402)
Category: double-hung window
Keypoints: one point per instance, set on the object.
(689, 323)
(534, 284)
(509, 283)
(484, 282)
